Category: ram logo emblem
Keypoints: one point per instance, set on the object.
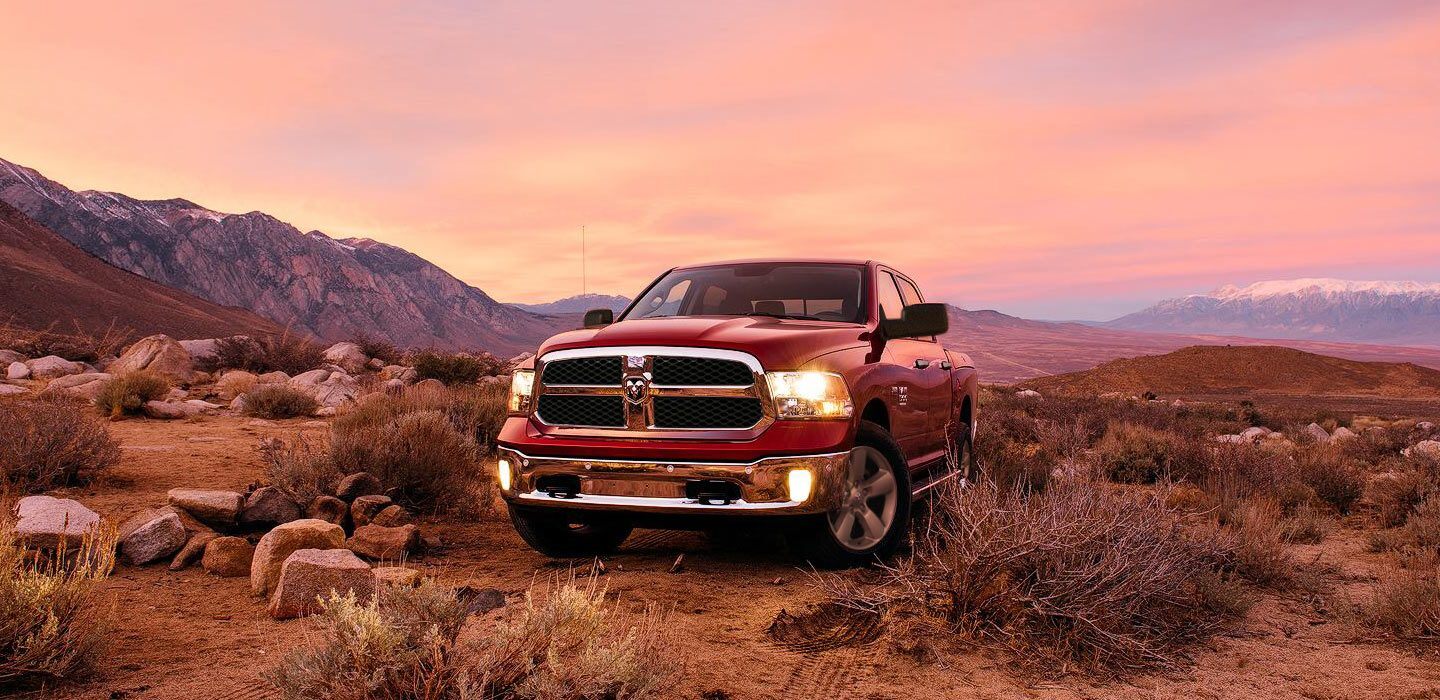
(636, 388)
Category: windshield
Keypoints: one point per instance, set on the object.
(809, 291)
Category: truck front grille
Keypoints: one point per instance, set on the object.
(707, 412)
(645, 389)
(580, 410)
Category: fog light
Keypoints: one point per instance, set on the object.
(800, 482)
(502, 474)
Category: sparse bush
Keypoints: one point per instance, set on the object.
(407, 644)
(287, 352)
(1407, 604)
(1131, 454)
(420, 454)
(453, 367)
(50, 442)
(1335, 478)
(76, 345)
(1421, 531)
(301, 469)
(1373, 446)
(378, 348)
(1079, 576)
(279, 401)
(1248, 471)
(126, 393)
(52, 626)
(1306, 525)
(1260, 552)
(476, 411)
(1397, 495)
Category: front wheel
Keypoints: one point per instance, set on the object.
(561, 534)
(874, 510)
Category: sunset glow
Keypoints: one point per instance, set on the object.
(1054, 160)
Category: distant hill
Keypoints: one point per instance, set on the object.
(1402, 313)
(1215, 369)
(578, 304)
(333, 288)
(46, 281)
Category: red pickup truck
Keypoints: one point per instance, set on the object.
(811, 394)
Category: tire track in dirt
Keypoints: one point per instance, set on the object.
(828, 675)
(831, 642)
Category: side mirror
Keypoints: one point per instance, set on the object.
(598, 318)
(917, 321)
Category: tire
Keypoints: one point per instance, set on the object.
(565, 534)
(963, 455)
(816, 539)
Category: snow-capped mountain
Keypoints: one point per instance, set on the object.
(1398, 313)
(578, 304)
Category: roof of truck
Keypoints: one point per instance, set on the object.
(785, 261)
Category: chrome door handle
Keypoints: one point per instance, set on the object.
(922, 364)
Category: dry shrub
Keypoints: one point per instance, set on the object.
(1335, 478)
(1397, 495)
(1009, 451)
(52, 627)
(420, 454)
(408, 644)
(287, 352)
(477, 411)
(1373, 445)
(1421, 531)
(279, 401)
(1260, 553)
(1307, 525)
(1077, 577)
(76, 345)
(236, 383)
(378, 348)
(1407, 604)
(453, 367)
(302, 469)
(1136, 454)
(1248, 471)
(126, 393)
(50, 442)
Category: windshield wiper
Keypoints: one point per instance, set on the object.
(795, 317)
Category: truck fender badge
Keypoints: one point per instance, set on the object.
(635, 389)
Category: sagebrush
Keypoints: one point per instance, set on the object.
(127, 393)
(50, 441)
(279, 401)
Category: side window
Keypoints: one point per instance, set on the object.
(908, 291)
(888, 295)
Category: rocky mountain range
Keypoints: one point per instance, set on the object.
(46, 281)
(1400, 313)
(332, 288)
(578, 304)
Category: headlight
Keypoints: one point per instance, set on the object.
(816, 395)
(522, 390)
(502, 474)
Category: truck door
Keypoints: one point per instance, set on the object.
(920, 391)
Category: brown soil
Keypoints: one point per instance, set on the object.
(189, 635)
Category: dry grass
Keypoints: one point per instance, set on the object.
(1335, 478)
(1407, 604)
(453, 367)
(50, 442)
(377, 348)
(76, 344)
(420, 454)
(279, 401)
(565, 644)
(302, 469)
(52, 627)
(126, 393)
(287, 352)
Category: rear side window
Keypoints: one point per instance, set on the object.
(888, 295)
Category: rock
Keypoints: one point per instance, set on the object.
(392, 516)
(8, 356)
(1254, 433)
(269, 506)
(228, 557)
(397, 576)
(238, 404)
(206, 348)
(325, 412)
(276, 377)
(279, 543)
(192, 551)
(163, 410)
(12, 390)
(201, 406)
(1425, 426)
(86, 385)
(45, 522)
(262, 423)
(1275, 436)
(152, 535)
(385, 543)
(1424, 448)
(210, 506)
(392, 371)
(307, 381)
(309, 575)
(177, 395)
(337, 390)
(375, 364)
(328, 508)
(364, 508)
(357, 485)
(348, 356)
(235, 382)
(430, 385)
(17, 370)
(160, 354)
(1232, 439)
(1342, 433)
(51, 366)
(393, 387)
(1316, 433)
(1028, 394)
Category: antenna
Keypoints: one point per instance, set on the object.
(584, 285)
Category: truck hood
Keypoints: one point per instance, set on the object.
(779, 344)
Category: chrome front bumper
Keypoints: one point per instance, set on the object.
(659, 487)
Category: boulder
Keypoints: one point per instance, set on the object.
(17, 370)
(276, 377)
(205, 348)
(234, 383)
(348, 356)
(1232, 439)
(310, 575)
(160, 354)
(397, 576)
(307, 381)
(1027, 394)
(392, 516)
(430, 385)
(51, 366)
(1425, 426)
(177, 394)
(325, 412)
(1342, 433)
(337, 390)
(1315, 432)
(228, 557)
(328, 508)
(364, 508)
(192, 551)
(393, 387)
(12, 390)
(1254, 433)
(164, 410)
(86, 385)
(279, 543)
(193, 406)
(375, 364)
(151, 535)
(7, 356)
(45, 522)
(385, 543)
(268, 506)
(211, 506)
(358, 484)
(1424, 448)
(238, 404)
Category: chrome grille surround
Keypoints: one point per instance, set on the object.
(637, 364)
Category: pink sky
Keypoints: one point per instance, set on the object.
(1055, 160)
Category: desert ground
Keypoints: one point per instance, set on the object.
(186, 634)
